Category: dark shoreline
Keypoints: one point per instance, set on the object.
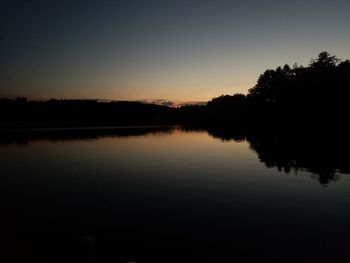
(25, 135)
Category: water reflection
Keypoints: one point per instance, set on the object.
(23, 137)
(171, 194)
(326, 156)
(303, 154)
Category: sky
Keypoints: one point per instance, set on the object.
(160, 49)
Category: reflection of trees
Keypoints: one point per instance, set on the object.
(298, 154)
(324, 156)
(227, 133)
(64, 134)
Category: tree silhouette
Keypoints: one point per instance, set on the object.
(316, 95)
(324, 61)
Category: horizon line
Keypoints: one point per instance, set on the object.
(163, 102)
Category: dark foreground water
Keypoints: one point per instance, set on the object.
(170, 195)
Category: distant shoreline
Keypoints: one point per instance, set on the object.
(66, 126)
(313, 97)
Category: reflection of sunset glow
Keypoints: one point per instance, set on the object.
(176, 145)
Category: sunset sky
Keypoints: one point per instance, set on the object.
(173, 50)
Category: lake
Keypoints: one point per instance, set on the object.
(171, 194)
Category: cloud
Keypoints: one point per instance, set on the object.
(158, 102)
(172, 103)
(188, 103)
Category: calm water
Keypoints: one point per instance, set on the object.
(145, 195)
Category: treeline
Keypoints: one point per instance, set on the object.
(288, 96)
(317, 94)
(82, 113)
